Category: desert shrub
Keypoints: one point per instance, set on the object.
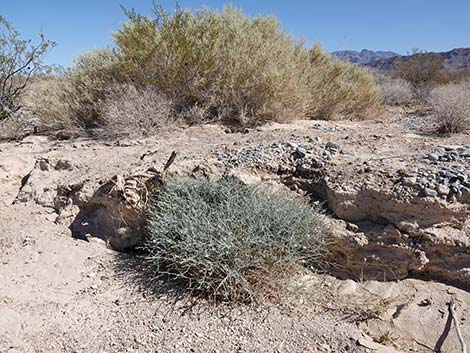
(394, 91)
(451, 107)
(45, 106)
(212, 66)
(459, 76)
(14, 128)
(87, 84)
(20, 60)
(131, 111)
(341, 89)
(237, 68)
(230, 241)
(77, 98)
(422, 70)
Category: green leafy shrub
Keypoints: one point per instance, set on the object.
(20, 61)
(230, 241)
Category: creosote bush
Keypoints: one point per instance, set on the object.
(76, 98)
(213, 66)
(229, 241)
(239, 69)
(451, 106)
(14, 128)
(87, 84)
(20, 61)
(423, 71)
(45, 106)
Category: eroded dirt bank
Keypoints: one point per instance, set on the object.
(397, 197)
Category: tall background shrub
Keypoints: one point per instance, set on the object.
(21, 63)
(213, 66)
(239, 68)
(423, 71)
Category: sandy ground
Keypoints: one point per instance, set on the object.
(59, 294)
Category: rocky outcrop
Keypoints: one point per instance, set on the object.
(394, 231)
(41, 184)
(115, 212)
(409, 315)
(364, 56)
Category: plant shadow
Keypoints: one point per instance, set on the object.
(131, 270)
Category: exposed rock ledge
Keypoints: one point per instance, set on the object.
(391, 234)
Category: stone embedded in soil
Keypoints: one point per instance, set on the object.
(446, 179)
(443, 190)
(352, 227)
(449, 153)
(63, 164)
(332, 146)
(423, 181)
(292, 145)
(429, 192)
(433, 157)
(43, 164)
(300, 152)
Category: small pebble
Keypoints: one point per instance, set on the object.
(443, 190)
(429, 192)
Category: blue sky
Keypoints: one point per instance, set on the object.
(398, 25)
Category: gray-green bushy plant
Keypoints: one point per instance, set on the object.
(230, 241)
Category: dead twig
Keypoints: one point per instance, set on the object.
(457, 326)
(167, 165)
(391, 157)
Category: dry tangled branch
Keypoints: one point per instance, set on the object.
(457, 326)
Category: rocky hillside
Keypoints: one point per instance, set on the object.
(364, 56)
(454, 60)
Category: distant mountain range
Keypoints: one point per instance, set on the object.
(455, 59)
(363, 57)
